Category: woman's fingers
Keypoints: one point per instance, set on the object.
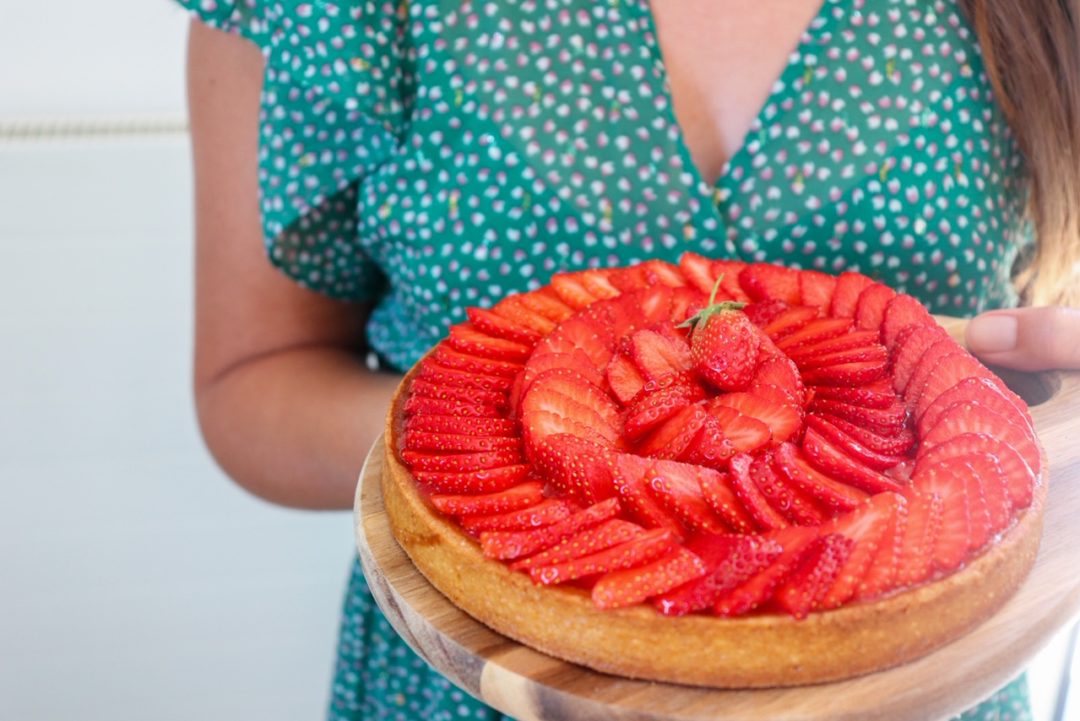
(1029, 339)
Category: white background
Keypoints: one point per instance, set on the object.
(135, 581)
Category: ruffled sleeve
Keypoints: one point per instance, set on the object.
(335, 99)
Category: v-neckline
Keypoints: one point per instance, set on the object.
(791, 72)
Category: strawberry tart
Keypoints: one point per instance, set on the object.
(715, 473)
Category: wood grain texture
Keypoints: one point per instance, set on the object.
(530, 685)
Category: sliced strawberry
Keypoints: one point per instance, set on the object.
(833, 494)
(631, 481)
(847, 374)
(728, 271)
(1019, 478)
(783, 420)
(750, 495)
(717, 491)
(761, 314)
(659, 272)
(442, 375)
(878, 394)
(623, 379)
(920, 537)
(830, 460)
(573, 359)
(571, 395)
(806, 586)
(779, 371)
(870, 353)
(576, 467)
(458, 442)
(984, 390)
(785, 497)
(948, 480)
(596, 281)
(540, 425)
(972, 417)
(488, 322)
(866, 526)
(745, 434)
(546, 302)
(467, 338)
(747, 596)
(460, 462)
(607, 534)
(698, 271)
(942, 359)
(816, 288)
(674, 436)
(432, 423)
(451, 358)
(485, 481)
(789, 322)
(729, 559)
(659, 352)
(711, 447)
(474, 396)
(629, 554)
(870, 308)
(908, 350)
(901, 312)
(505, 543)
(851, 445)
(542, 514)
(423, 405)
(836, 344)
(520, 496)
(653, 409)
(571, 290)
(815, 331)
(882, 421)
(582, 332)
(990, 477)
(882, 575)
(631, 586)
(686, 303)
(678, 489)
(764, 281)
(849, 286)
(928, 363)
(897, 444)
(514, 309)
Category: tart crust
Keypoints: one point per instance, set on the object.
(756, 651)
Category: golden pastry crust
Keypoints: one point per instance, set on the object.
(745, 652)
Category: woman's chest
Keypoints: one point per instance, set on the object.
(547, 136)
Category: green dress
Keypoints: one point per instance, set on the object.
(426, 156)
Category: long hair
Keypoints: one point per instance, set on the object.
(1032, 54)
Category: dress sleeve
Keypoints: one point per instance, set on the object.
(334, 102)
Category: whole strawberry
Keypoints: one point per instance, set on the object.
(724, 345)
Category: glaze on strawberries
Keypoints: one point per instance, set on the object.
(817, 443)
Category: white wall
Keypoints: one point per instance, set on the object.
(136, 582)
(77, 58)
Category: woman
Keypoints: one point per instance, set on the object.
(405, 160)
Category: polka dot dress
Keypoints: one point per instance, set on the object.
(427, 156)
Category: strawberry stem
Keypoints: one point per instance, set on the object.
(703, 315)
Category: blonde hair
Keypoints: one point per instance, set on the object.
(1032, 54)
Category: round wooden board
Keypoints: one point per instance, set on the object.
(529, 685)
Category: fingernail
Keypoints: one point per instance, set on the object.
(992, 333)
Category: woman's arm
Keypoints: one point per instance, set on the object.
(284, 402)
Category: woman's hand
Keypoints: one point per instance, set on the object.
(1028, 339)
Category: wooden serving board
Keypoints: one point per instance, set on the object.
(529, 685)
